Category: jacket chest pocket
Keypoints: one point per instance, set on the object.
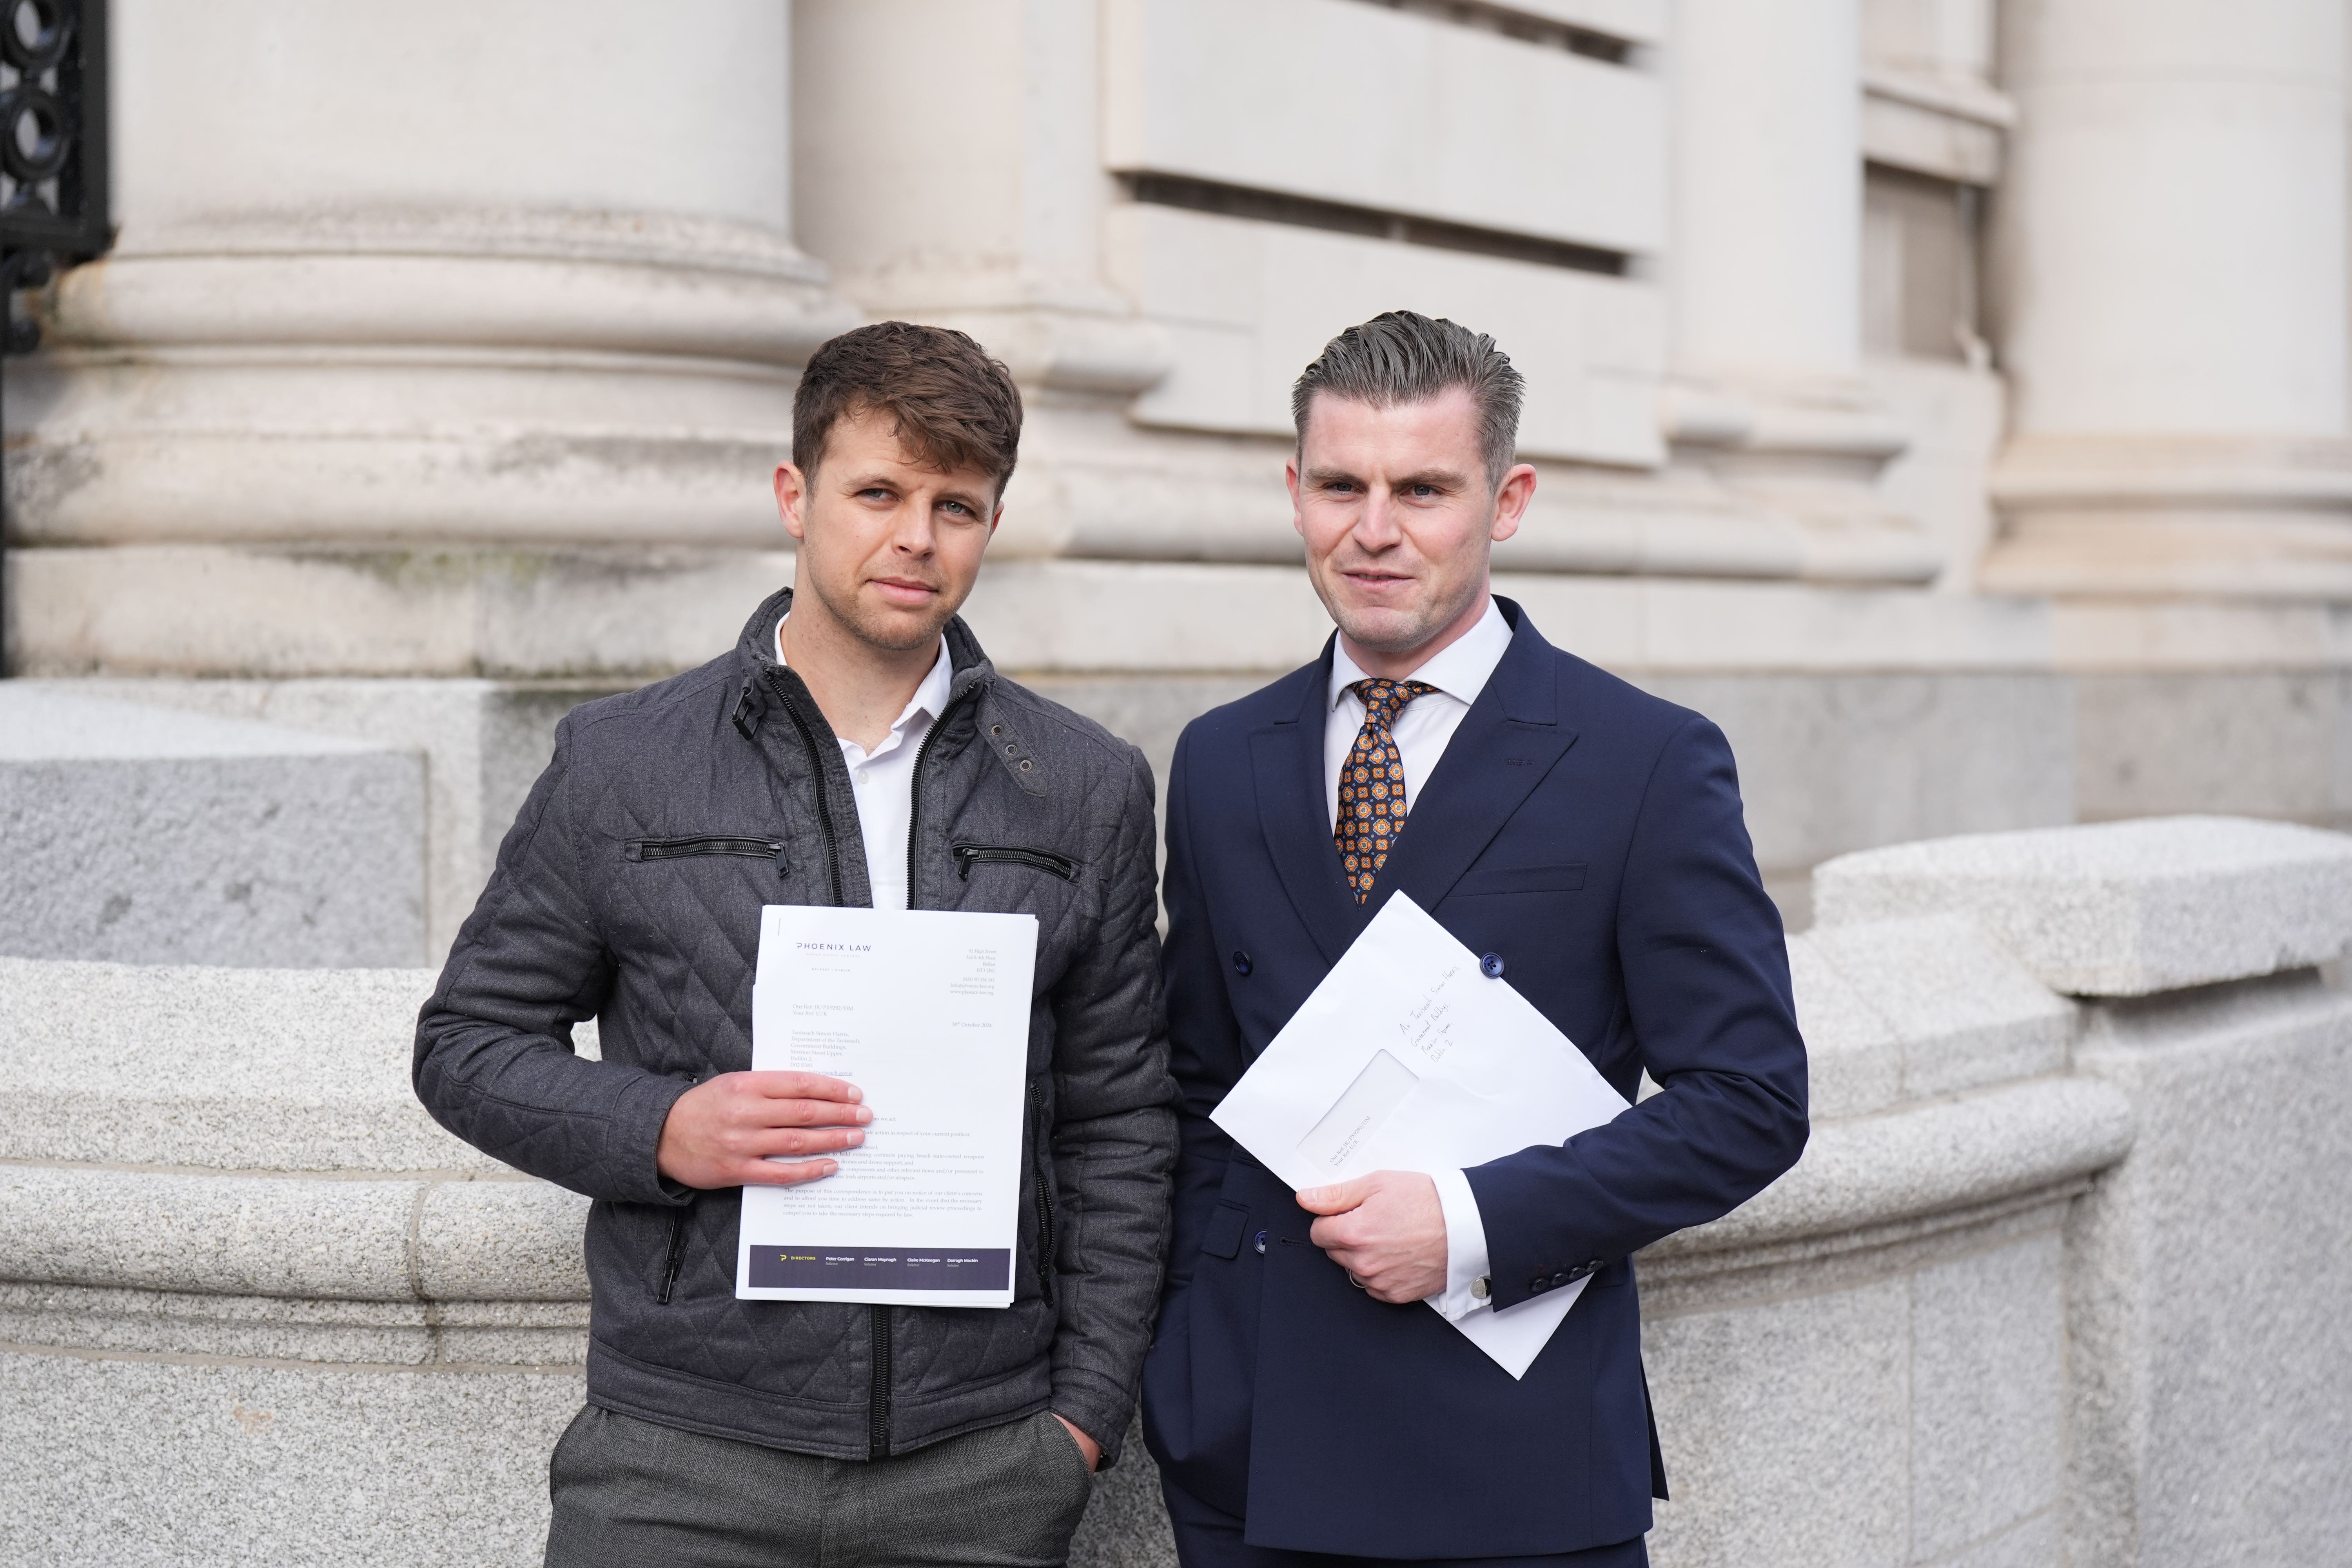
(768, 849)
(1011, 877)
(1052, 862)
(1564, 877)
(1500, 909)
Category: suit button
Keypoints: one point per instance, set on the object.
(1491, 966)
(1259, 1243)
(1242, 966)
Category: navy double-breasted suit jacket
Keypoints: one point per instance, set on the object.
(1590, 836)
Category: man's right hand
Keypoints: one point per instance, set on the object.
(721, 1132)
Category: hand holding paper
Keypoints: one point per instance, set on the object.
(751, 1128)
(927, 1012)
(1387, 1230)
(1406, 1057)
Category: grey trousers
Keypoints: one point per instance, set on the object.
(634, 1494)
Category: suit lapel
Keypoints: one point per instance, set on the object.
(1286, 760)
(1506, 744)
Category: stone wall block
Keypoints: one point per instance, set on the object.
(1927, 1159)
(2125, 909)
(2035, 1542)
(148, 836)
(248, 1235)
(1960, 1012)
(1769, 1418)
(503, 1241)
(1853, 1060)
(239, 1068)
(2208, 1274)
(82, 1318)
(1831, 761)
(151, 1121)
(1988, 1397)
(106, 1462)
(512, 1334)
(485, 742)
(2260, 743)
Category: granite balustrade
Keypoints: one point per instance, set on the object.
(2055, 1281)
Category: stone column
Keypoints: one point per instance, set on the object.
(981, 209)
(2171, 256)
(1765, 275)
(448, 338)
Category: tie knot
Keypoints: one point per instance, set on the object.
(1383, 699)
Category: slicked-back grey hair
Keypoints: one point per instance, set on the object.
(1399, 356)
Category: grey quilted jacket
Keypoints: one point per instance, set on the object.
(629, 889)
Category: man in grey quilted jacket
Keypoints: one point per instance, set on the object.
(855, 747)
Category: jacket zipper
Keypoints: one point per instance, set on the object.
(914, 794)
(967, 856)
(823, 807)
(877, 1397)
(878, 1432)
(642, 849)
(678, 1222)
(709, 844)
(1049, 1239)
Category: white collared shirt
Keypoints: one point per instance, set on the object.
(884, 779)
(1459, 671)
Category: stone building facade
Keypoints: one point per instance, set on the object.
(1948, 395)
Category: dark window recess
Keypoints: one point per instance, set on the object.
(708, 844)
(1339, 217)
(967, 856)
(1488, 16)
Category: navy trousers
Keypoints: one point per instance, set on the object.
(1211, 1538)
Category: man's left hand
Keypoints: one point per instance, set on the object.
(1086, 1446)
(1387, 1229)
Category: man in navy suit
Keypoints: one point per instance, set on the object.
(1587, 840)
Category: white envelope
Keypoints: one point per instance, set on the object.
(1408, 1057)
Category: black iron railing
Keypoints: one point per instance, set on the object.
(53, 168)
(53, 155)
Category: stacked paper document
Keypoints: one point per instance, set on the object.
(1410, 1058)
(927, 1011)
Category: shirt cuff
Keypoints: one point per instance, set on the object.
(1466, 1248)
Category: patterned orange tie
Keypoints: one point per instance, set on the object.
(1372, 783)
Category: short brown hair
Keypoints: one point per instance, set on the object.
(954, 407)
(1404, 357)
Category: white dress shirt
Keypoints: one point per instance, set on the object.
(884, 779)
(1459, 671)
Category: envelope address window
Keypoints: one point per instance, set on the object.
(1356, 1115)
